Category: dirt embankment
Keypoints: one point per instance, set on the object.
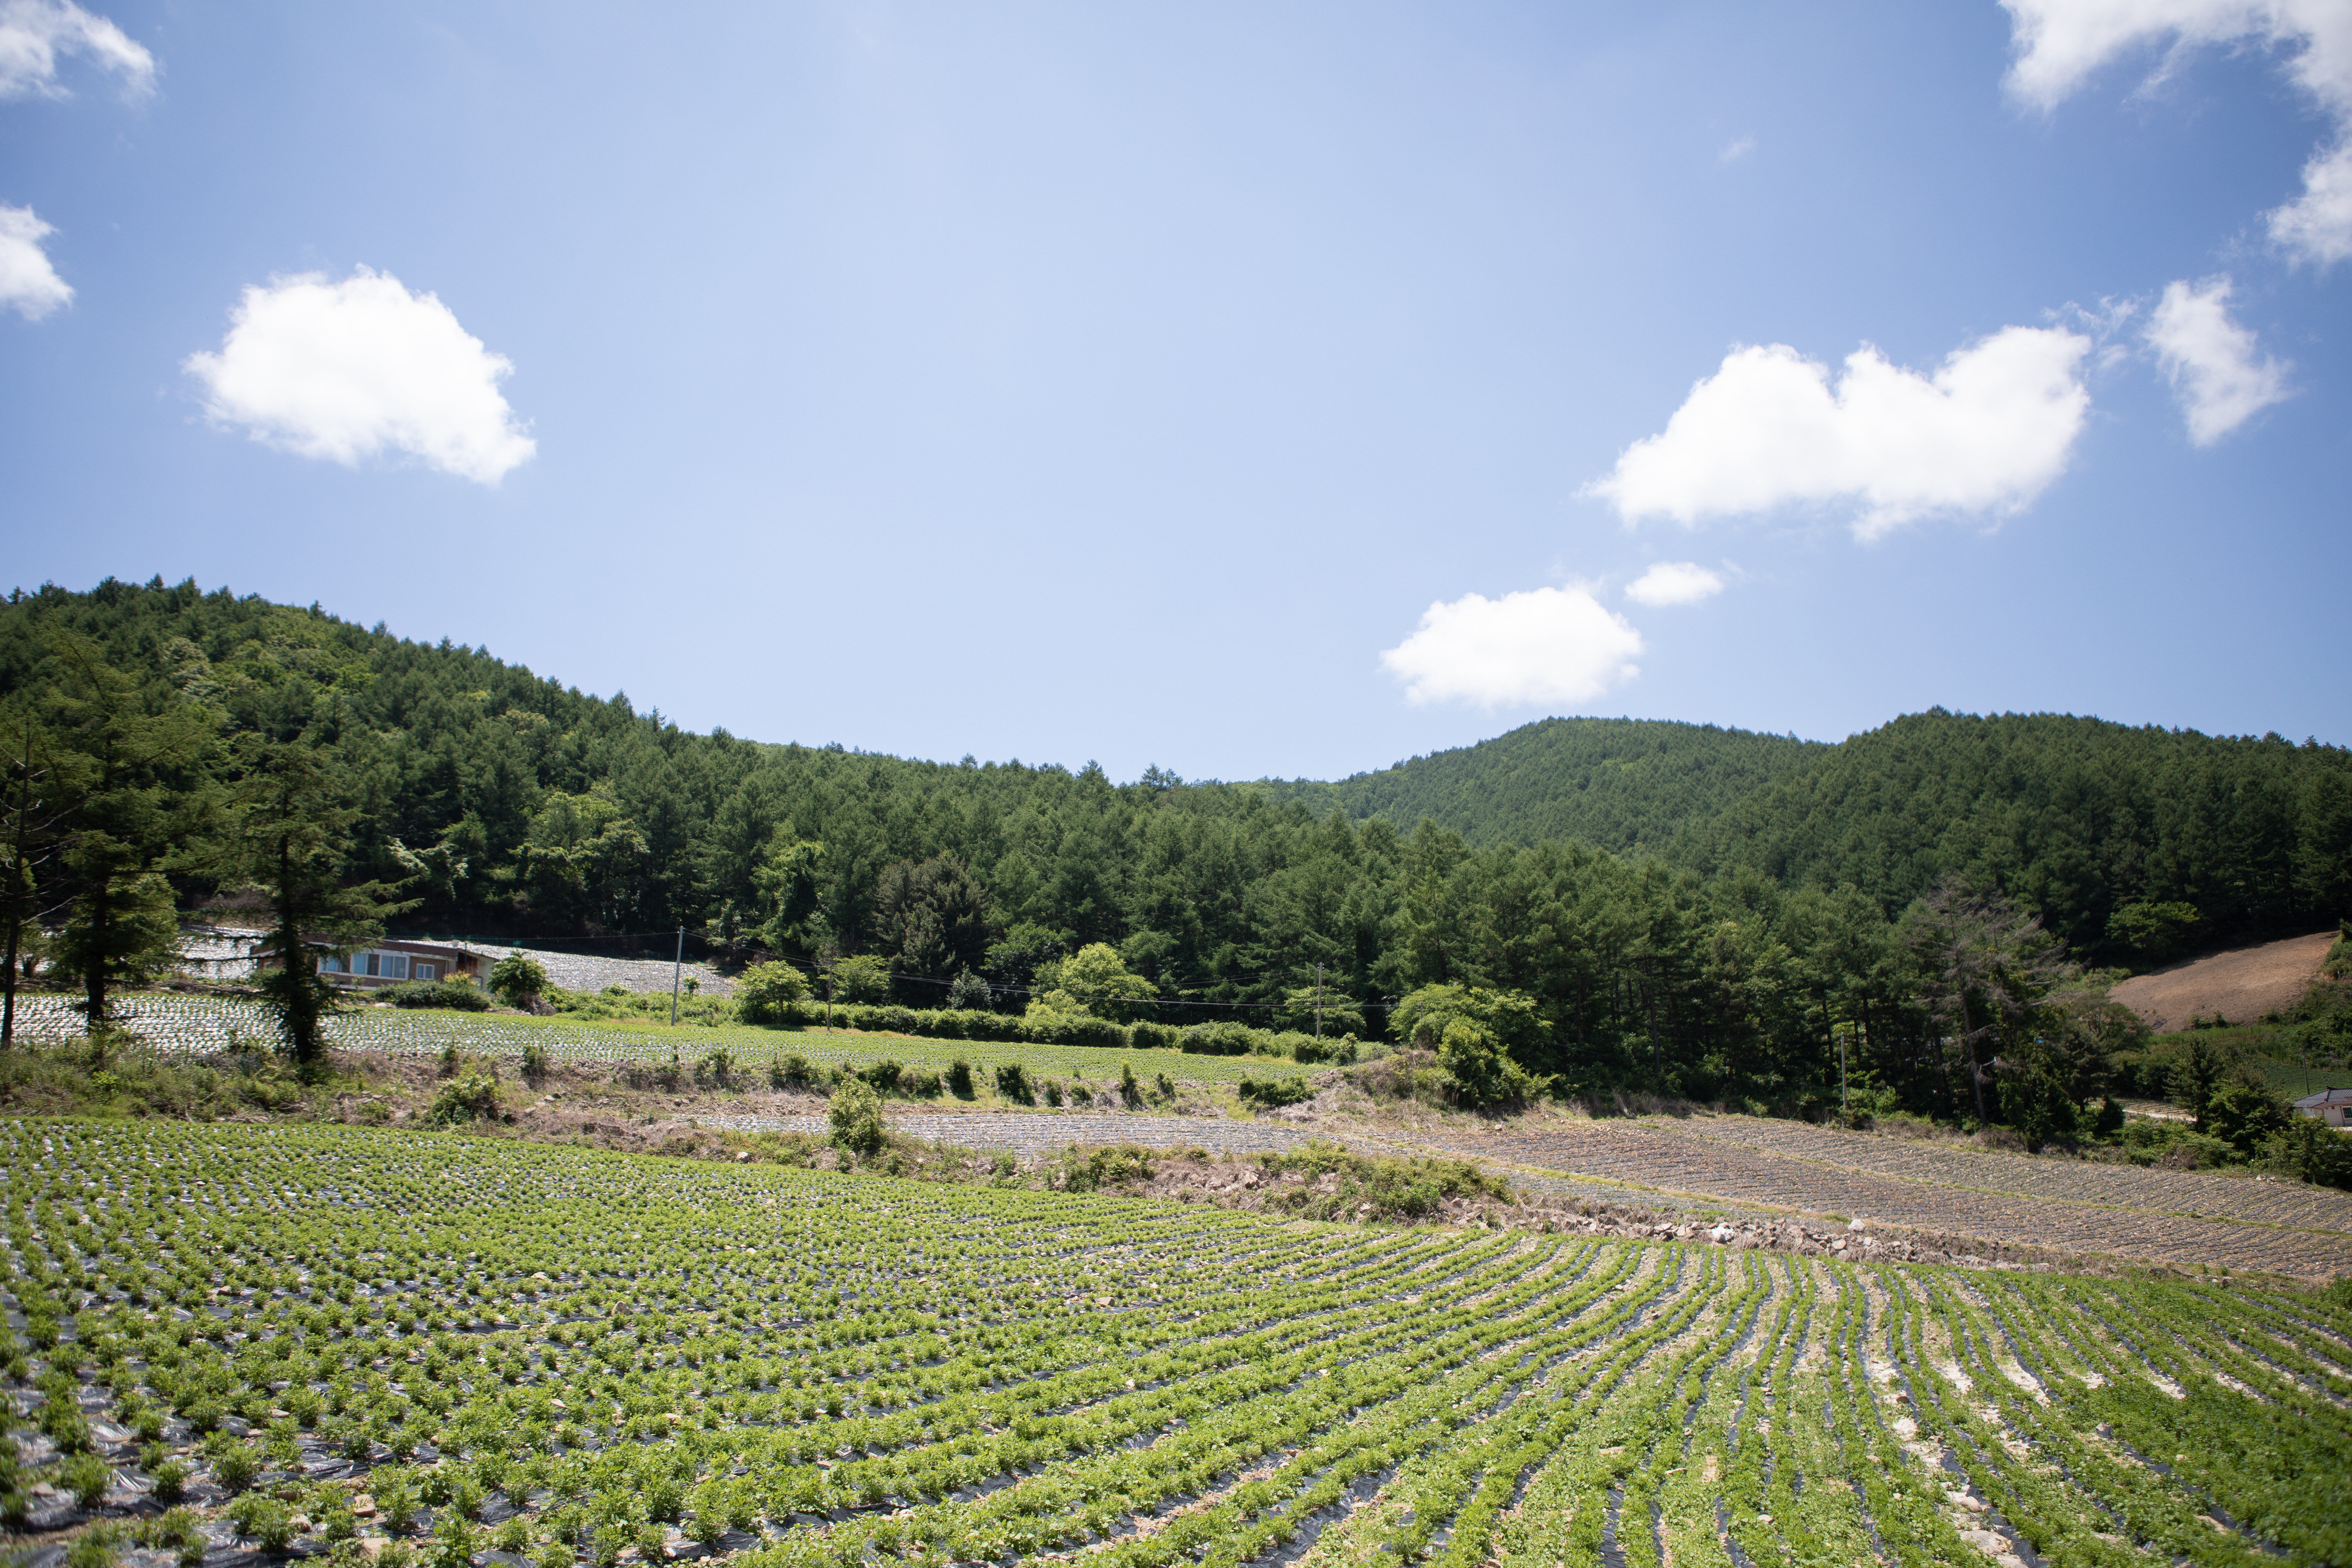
(2241, 987)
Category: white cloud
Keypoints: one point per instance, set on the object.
(1545, 645)
(2211, 360)
(33, 33)
(1993, 426)
(2060, 43)
(1735, 151)
(346, 370)
(1674, 583)
(28, 281)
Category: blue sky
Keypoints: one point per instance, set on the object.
(1246, 389)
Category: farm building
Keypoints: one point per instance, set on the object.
(2329, 1105)
(224, 953)
(389, 963)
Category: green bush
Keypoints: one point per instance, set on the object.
(470, 1096)
(882, 1077)
(1276, 1091)
(1089, 1170)
(1012, 1084)
(766, 992)
(518, 981)
(856, 1117)
(1153, 1036)
(863, 978)
(959, 1078)
(2307, 1148)
(1045, 1028)
(1223, 1038)
(455, 994)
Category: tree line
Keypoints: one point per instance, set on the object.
(207, 750)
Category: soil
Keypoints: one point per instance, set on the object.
(2241, 987)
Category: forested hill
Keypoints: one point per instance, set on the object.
(509, 804)
(1628, 785)
(2073, 815)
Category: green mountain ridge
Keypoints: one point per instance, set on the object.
(541, 811)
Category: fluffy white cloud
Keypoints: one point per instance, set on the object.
(2211, 360)
(1674, 583)
(346, 370)
(2060, 43)
(33, 33)
(28, 281)
(1985, 433)
(1545, 645)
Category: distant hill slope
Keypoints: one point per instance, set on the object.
(2075, 815)
(1623, 784)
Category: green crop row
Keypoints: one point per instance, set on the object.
(577, 1357)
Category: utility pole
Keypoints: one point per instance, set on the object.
(1318, 1002)
(676, 969)
(1842, 1108)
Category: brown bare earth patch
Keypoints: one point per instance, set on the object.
(2241, 986)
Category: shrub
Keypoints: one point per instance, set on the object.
(882, 1075)
(791, 1070)
(1150, 1035)
(860, 979)
(470, 1096)
(1087, 1170)
(856, 1117)
(451, 993)
(922, 1085)
(716, 1069)
(1013, 1083)
(534, 1062)
(1219, 1040)
(968, 992)
(1045, 1027)
(1276, 1091)
(765, 994)
(518, 981)
(959, 1078)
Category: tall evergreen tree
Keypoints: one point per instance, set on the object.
(138, 795)
(289, 834)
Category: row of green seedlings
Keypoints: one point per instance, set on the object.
(1334, 1405)
(51, 1220)
(2253, 1440)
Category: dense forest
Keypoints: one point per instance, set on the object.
(1693, 908)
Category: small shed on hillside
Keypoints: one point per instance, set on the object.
(2330, 1105)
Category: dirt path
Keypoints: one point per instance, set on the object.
(2241, 985)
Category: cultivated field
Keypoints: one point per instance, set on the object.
(206, 1024)
(474, 1351)
(2187, 1219)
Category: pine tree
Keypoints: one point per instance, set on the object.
(287, 835)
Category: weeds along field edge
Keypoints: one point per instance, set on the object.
(225, 1341)
(204, 1025)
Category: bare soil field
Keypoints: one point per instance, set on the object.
(2241, 986)
(2181, 1219)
